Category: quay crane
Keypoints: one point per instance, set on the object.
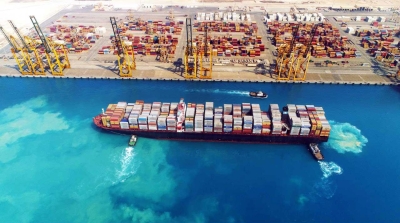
(197, 59)
(20, 56)
(293, 59)
(56, 53)
(285, 63)
(206, 53)
(190, 57)
(126, 62)
(30, 47)
(303, 60)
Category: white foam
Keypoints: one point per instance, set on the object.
(127, 167)
(328, 168)
(345, 137)
(217, 91)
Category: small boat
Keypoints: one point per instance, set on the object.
(315, 151)
(258, 94)
(132, 141)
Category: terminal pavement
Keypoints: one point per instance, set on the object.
(159, 71)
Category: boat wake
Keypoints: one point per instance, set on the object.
(345, 137)
(328, 168)
(326, 188)
(127, 167)
(217, 91)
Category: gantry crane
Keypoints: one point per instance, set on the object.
(205, 54)
(285, 63)
(303, 59)
(126, 62)
(190, 57)
(30, 47)
(56, 53)
(20, 56)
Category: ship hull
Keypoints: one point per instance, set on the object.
(215, 136)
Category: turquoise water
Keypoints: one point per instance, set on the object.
(56, 167)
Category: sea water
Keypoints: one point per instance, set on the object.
(55, 166)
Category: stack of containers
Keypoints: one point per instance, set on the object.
(228, 123)
(237, 110)
(133, 121)
(310, 111)
(276, 119)
(198, 123)
(208, 117)
(118, 114)
(322, 123)
(218, 121)
(305, 121)
(128, 110)
(247, 124)
(199, 118)
(257, 120)
(173, 108)
(154, 113)
(152, 122)
(162, 123)
(237, 124)
(189, 120)
(165, 109)
(237, 118)
(266, 123)
(295, 121)
(142, 122)
(171, 123)
(227, 109)
(246, 108)
(146, 109)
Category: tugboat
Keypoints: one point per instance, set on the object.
(258, 94)
(313, 147)
(132, 141)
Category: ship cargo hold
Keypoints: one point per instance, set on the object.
(245, 122)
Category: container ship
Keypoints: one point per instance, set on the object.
(248, 123)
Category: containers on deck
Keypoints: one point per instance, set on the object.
(245, 118)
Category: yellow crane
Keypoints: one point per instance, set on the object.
(190, 57)
(285, 62)
(304, 59)
(56, 53)
(20, 56)
(126, 62)
(205, 71)
(30, 47)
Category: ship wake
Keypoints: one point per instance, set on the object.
(218, 91)
(326, 188)
(345, 137)
(127, 166)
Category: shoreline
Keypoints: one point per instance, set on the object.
(206, 80)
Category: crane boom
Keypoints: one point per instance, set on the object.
(118, 42)
(19, 35)
(16, 48)
(56, 54)
(41, 35)
(126, 62)
(189, 43)
(24, 62)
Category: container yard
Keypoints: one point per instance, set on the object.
(147, 38)
(326, 43)
(78, 38)
(237, 36)
(243, 122)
